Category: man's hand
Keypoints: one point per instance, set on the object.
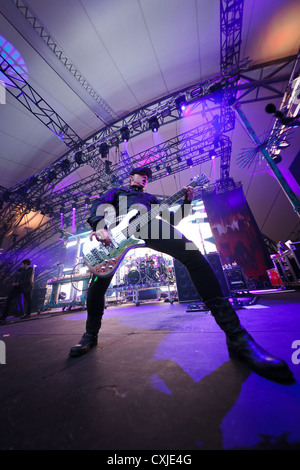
(189, 196)
(101, 235)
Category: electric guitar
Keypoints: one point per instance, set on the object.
(104, 259)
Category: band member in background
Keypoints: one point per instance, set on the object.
(239, 340)
(22, 285)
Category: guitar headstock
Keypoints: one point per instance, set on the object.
(199, 180)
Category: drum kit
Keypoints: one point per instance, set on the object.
(150, 269)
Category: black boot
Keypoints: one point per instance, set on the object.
(241, 344)
(87, 342)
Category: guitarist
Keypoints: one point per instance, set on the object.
(239, 340)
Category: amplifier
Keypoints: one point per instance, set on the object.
(185, 288)
(236, 278)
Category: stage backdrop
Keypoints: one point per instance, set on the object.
(236, 233)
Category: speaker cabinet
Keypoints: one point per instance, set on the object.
(185, 288)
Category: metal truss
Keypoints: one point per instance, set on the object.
(33, 101)
(231, 17)
(263, 82)
(172, 156)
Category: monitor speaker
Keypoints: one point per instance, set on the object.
(185, 287)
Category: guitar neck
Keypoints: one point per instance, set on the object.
(154, 212)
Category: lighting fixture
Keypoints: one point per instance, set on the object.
(78, 158)
(104, 150)
(181, 103)
(154, 124)
(51, 176)
(125, 134)
(65, 166)
(283, 144)
(212, 154)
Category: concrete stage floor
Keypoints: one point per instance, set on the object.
(160, 378)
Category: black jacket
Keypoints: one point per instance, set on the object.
(25, 279)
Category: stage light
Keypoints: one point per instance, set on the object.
(107, 167)
(181, 103)
(283, 144)
(153, 124)
(136, 125)
(51, 175)
(87, 201)
(189, 162)
(78, 158)
(65, 166)
(212, 154)
(165, 112)
(168, 170)
(277, 159)
(104, 150)
(196, 92)
(125, 134)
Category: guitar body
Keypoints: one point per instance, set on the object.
(103, 260)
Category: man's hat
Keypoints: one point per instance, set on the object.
(143, 169)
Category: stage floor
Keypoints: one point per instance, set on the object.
(160, 378)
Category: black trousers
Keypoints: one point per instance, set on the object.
(171, 242)
(15, 292)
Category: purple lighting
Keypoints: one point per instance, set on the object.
(16, 61)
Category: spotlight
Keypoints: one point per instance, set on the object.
(107, 167)
(125, 134)
(51, 176)
(65, 166)
(283, 144)
(196, 92)
(78, 158)
(87, 201)
(277, 159)
(181, 103)
(136, 125)
(168, 170)
(153, 124)
(189, 162)
(104, 150)
(212, 154)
